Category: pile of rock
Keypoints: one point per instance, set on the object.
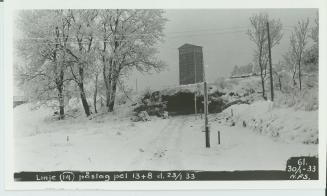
(144, 116)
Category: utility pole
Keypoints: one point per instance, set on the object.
(136, 84)
(194, 60)
(270, 65)
(207, 136)
(206, 126)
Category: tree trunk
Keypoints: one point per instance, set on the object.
(107, 83)
(107, 90)
(60, 88)
(113, 95)
(95, 94)
(263, 87)
(59, 82)
(293, 78)
(82, 92)
(84, 101)
(300, 75)
(107, 98)
(110, 87)
(270, 66)
(105, 80)
(280, 84)
(61, 102)
(261, 74)
(262, 83)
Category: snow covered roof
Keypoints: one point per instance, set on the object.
(188, 88)
(189, 46)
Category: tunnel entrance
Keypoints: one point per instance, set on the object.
(180, 102)
(183, 103)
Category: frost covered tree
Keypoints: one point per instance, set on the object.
(280, 72)
(315, 30)
(311, 56)
(298, 43)
(96, 72)
(235, 71)
(290, 61)
(258, 35)
(244, 70)
(43, 71)
(81, 50)
(79, 46)
(128, 39)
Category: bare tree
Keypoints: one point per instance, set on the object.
(128, 38)
(290, 60)
(96, 72)
(311, 56)
(298, 43)
(279, 71)
(258, 35)
(315, 30)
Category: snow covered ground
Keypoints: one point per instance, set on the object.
(112, 142)
(287, 124)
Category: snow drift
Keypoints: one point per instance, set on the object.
(287, 124)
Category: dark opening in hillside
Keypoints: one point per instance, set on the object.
(183, 103)
(180, 103)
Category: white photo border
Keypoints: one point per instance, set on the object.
(12, 5)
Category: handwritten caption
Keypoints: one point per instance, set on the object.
(302, 168)
(116, 176)
(297, 168)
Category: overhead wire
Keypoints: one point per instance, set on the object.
(143, 35)
(220, 31)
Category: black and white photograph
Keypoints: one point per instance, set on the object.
(165, 95)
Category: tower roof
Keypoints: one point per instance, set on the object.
(189, 46)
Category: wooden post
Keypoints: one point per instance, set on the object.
(195, 107)
(207, 136)
(218, 137)
(270, 65)
(194, 61)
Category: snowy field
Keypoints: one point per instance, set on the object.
(113, 142)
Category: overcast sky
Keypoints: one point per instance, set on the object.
(222, 34)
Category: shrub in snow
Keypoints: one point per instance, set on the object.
(307, 99)
(165, 115)
(150, 102)
(144, 116)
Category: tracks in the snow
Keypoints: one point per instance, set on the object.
(163, 149)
